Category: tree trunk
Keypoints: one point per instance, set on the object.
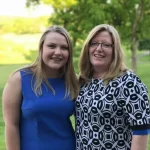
(133, 55)
(139, 9)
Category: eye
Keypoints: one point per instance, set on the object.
(93, 44)
(106, 45)
(51, 46)
(64, 48)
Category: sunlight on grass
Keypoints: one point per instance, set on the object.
(28, 41)
(14, 49)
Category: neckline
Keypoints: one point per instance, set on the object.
(55, 78)
(96, 80)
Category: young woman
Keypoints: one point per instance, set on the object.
(38, 99)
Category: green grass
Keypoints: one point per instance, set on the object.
(17, 49)
(28, 41)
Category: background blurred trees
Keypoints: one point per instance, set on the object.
(131, 18)
(21, 25)
(144, 45)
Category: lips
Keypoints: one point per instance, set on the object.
(98, 56)
(57, 59)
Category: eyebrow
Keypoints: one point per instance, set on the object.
(57, 44)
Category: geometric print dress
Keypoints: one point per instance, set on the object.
(108, 115)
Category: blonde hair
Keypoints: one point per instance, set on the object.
(68, 70)
(117, 66)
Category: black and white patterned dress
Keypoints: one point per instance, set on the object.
(108, 115)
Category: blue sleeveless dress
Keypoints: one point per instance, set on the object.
(44, 120)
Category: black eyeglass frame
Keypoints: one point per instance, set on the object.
(102, 45)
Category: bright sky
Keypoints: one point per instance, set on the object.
(18, 8)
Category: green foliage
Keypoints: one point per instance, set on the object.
(60, 4)
(76, 56)
(32, 2)
(31, 56)
(122, 14)
(79, 18)
(20, 25)
(144, 44)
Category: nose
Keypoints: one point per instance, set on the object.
(58, 50)
(99, 47)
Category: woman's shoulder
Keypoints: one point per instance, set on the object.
(126, 77)
(14, 79)
(25, 71)
(16, 76)
(130, 76)
(131, 79)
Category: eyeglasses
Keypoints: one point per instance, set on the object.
(104, 46)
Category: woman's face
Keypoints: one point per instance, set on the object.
(101, 51)
(55, 52)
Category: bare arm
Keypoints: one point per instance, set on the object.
(139, 142)
(11, 100)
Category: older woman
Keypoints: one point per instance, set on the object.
(38, 99)
(112, 109)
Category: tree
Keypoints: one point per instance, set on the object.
(80, 16)
(76, 16)
(144, 45)
(131, 17)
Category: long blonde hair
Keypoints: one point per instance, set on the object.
(117, 66)
(67, 71)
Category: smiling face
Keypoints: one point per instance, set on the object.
(55, 53)
(101, 52)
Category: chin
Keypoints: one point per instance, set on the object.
(56, 68)
(97, 64)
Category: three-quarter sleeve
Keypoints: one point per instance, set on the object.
(136, 106)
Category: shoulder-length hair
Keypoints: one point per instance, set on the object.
(117, 66)
(67, 71)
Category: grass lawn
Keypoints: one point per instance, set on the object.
(142, 71)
